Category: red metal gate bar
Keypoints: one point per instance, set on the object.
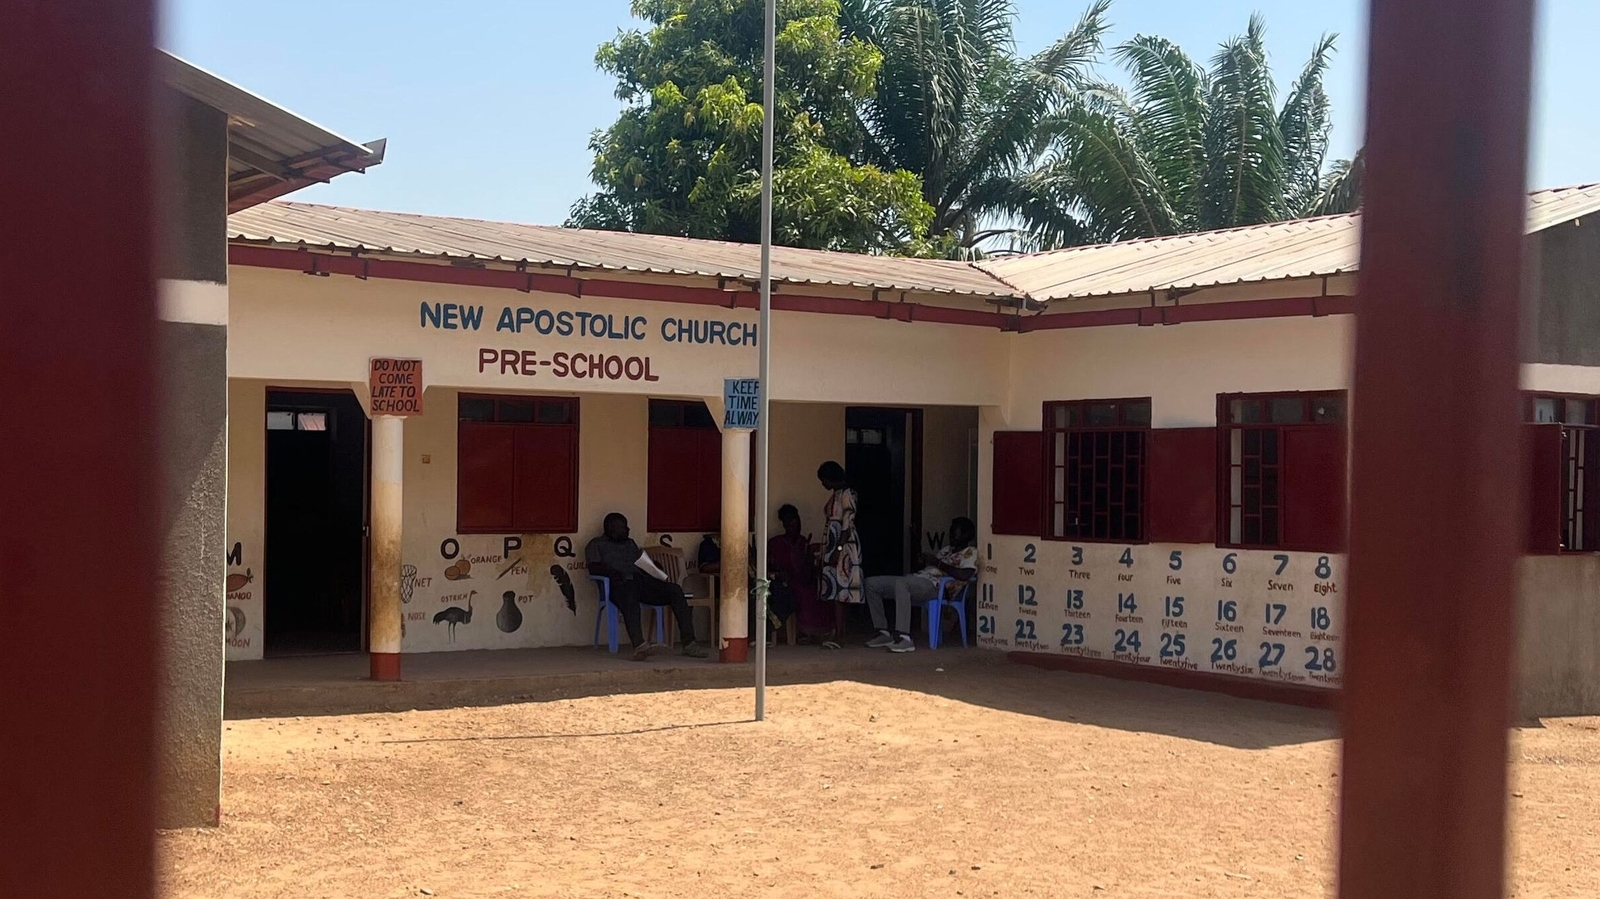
(1435, 508)
(78, 467)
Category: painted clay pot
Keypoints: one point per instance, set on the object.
(509, 617)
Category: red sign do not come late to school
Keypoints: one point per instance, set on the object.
(396, 386)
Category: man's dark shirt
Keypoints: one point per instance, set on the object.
(612, 558)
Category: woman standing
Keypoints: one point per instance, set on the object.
(841, 557)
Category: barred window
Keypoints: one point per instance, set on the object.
(1283, 458)
(1095, 469)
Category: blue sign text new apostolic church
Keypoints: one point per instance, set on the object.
(741, 404)
(605, 325)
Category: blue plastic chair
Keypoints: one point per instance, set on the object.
(608, 614)
(935, 609)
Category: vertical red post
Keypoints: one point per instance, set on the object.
(1435, 508)
(78, 472)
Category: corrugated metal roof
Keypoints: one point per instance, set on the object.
(334, 227)
(1548, 208)
(1305, 248)
(271, 151)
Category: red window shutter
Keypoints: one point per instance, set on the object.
(546, 498)
(1181, 485)
(483, 477)
(708, 482)
(1547, 487)
(671, 478)
(1017, 484)
(1312, 496)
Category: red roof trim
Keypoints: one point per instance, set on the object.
(399, 270)
(1205, 312)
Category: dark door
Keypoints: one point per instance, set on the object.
(316, 522)
(883, 455)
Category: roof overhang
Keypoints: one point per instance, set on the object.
(271, 151)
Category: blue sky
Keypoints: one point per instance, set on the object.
(488, 104)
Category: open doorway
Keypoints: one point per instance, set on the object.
(883, 454)
(315, 584)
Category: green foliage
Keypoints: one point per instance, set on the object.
(1341, 187)
(684, 156)
(914, 127)
(1189, 149)
(956, 105)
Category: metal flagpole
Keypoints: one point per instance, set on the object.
(764, 345)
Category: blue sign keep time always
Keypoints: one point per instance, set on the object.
(741, 409)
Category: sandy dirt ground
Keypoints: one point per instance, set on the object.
(999, 781)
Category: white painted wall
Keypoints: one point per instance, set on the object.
(946, 435)
(247, 497)
(1181, 367)
(289, 326)
(804, 435)
(611, 465)
(1546, 378)
(1071, 599)
(1194, 608)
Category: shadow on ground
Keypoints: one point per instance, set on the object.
(290, 688)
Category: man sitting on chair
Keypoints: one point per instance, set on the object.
(958, 560)
(614, 555)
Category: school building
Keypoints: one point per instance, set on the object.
(1151, 435)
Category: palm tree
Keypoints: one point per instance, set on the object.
(956, 105)
(1341, 189)
(1185, 149)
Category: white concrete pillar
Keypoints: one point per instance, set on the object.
(734, 630)
(383, 618)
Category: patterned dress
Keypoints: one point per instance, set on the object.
(841, 558)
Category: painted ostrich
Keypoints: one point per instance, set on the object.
(456, 615)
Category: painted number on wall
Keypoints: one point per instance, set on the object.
(1223, 650)
(1172, 646)
(1320, 661)
(1271, 655)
